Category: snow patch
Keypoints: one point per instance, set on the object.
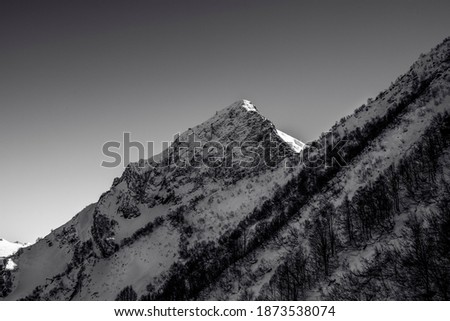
(295, 144)
(10, 266)
(8, 248)
(248, 105)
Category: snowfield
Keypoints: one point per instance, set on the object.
(8, 248)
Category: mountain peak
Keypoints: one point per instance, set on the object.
(246, 104)
(240, 104)
(240, 121)
(233, 122)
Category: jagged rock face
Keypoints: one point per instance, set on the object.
(185, 176)
(238, 126)
(185, 198)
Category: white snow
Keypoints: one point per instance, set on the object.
(10, 265)
(137, 265)
(295, 144)
(8, 248)
(248, 105)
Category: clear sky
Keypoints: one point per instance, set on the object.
(75, 74)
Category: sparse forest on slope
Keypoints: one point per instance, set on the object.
(320, 235)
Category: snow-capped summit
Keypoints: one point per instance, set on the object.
(244, 103)
(240, 122)
(235, 122)
(248, 105)
(294, 143)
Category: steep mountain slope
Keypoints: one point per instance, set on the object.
(158, 211)
(346, 220)
(255, 214)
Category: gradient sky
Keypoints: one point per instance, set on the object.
(75, 74)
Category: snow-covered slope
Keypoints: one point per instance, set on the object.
(296, 145)
(383, 132)
(8, 248)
